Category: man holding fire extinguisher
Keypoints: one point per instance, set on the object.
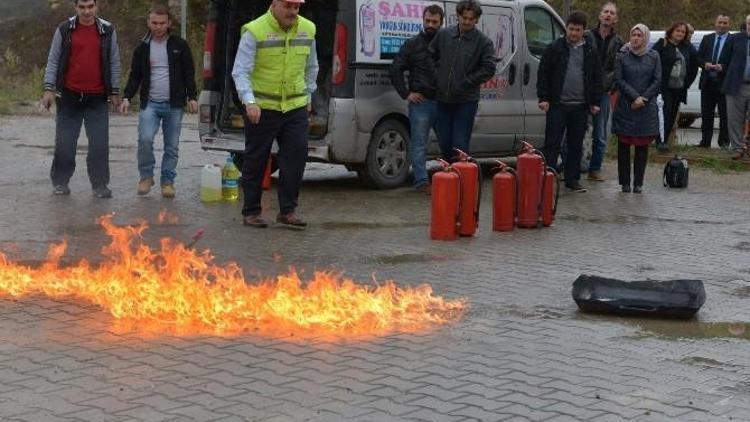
(569, 86)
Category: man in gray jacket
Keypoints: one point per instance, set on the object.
(464, 61)
(83, 70)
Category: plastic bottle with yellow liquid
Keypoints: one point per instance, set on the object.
(230, 181)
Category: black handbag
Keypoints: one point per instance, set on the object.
(676, 172)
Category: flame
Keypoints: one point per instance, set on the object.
(178, 289)
(166, 217)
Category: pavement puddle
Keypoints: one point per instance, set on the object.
(637, 219)
(691, 330)
(356, 225)
(743, 292)
(537, 312)
(409, 258)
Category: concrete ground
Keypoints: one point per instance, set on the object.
(521, 352)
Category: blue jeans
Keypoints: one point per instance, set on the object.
(149, 119)
(456, 120)
(599, 135)
(421, 119)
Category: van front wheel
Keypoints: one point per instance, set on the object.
(387, 165)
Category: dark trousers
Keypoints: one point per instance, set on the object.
(711, 97)
(73, 110)
(671, 99)
(639, 164)
(290, 131)
(453, 127)
(569, 121)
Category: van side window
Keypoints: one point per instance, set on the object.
(541, 29)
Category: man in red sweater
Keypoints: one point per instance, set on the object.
(83, 72)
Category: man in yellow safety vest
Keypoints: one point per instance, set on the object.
(275, 72)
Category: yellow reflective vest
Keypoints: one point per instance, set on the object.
(278, 77)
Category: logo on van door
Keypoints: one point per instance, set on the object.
(384, 25)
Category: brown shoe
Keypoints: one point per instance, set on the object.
(290, 220)
(738, 155)
(144, 186)
(167, 191)
(254, 221)
(595, 176)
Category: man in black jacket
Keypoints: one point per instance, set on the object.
(710, 51)
(607, 44)
(464, 61)
(569, 86)
(163, 68)
(415, 58)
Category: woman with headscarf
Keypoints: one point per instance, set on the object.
(636, 120)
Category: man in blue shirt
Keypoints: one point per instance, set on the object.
(710, 51)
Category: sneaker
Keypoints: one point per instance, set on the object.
(254, 221)
(595, 176)
(61, 190)
(626, 188)
(144, 185)
(167, 191)
(577, 188)
(290, 220)
(102, 192)
(637, 189)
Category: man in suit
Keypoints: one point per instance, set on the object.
(710, 50)
(736, 88)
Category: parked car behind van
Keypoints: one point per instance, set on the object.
(359, 120)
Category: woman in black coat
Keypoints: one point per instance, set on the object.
(678, 66)
(636, 117)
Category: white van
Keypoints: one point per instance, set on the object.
(364, 121)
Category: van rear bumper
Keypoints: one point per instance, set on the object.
(343, 143)
(317, 150)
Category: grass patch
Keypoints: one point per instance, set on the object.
(714, 159)
(19, 91)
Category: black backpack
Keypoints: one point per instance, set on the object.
(676, 172)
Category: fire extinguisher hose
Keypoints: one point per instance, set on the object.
(540, 208)
(480, 179)
(557, 191)
(460, 197)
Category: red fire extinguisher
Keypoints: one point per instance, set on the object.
(504, 189)
(445, 203)
(530, 168)
(471, 193)
(266, 184)
(550, 196)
